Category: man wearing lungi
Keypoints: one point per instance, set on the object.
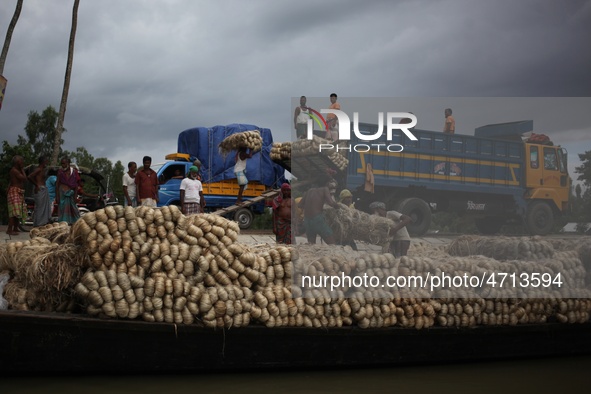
(282, 215)
(43, 205)
(192, 200)
(17, 211)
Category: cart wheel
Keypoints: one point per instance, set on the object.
(244, 217)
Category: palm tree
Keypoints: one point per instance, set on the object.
(11, 26)
(62, 111)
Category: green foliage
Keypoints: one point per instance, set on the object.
(582, 200)
(40, 132)
(264, 221)
(584, 170)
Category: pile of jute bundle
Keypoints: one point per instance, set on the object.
(247, 139)
(349, 223)
(159, 265)
(56, 232)
(449, 305)
(501, 248)
(301, 148)
(281, 151)
(42, 274)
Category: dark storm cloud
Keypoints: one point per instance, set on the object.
(144, 70)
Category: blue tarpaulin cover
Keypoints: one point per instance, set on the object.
(202, 143)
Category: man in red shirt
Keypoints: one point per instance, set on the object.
(146, 181)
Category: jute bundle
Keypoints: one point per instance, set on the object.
(20, 297)
(110, 294)
(8, 252)
(502, 248)
(52, 267)
(303, 148)
(55, 232)
(247, 139)
(281, 151)
(349, 223)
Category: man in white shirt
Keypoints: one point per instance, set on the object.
(129, 188)
(192, 200)
(242, 155)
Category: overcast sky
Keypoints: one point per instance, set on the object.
(146, 70)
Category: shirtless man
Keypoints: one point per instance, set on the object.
(313, 203)
(282, 215)
(450, 122)
(43, 205)
(16, 195)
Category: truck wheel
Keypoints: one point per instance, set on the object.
(419, 211)
(244, 217)
(489, 225)
(540, 218)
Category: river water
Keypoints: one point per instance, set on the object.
(548, 375)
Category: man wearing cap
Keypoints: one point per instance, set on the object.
(401, 240)
(192, 200)
(346, 197)
(282, 215)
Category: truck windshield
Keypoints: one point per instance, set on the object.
(156, 167)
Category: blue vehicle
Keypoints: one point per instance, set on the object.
(220, 187)
(217, 194)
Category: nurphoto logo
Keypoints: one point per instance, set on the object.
(344, 130)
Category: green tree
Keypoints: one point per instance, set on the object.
(116, 180)
(584, 171)
(40, 132)
(81, 157)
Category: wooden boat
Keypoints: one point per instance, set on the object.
(33, 343)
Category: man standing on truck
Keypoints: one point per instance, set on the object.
(300, 119)
(332, 121)
(240, 171)
(146, 182)
(192, 200)
(450, 122)
(401, 240)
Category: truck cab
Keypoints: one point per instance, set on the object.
(217, 194)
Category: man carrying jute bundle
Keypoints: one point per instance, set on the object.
(401, 239)
(314, 221)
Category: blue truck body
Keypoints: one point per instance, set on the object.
(219, 181)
